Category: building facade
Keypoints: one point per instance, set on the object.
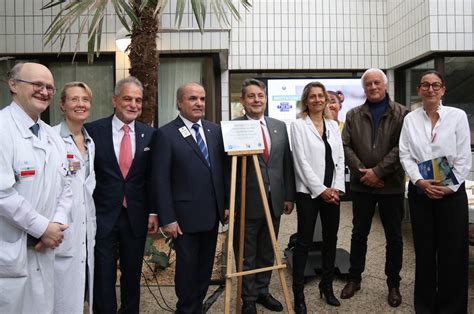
(275, 38)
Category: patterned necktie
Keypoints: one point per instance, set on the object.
(35, 129)
(125, 157)
(265, 145)
(201, 144)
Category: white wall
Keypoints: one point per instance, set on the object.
(277, 34)
(323, 34)
(281, 34)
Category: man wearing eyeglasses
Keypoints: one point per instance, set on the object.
(370, 139)
(35, 193)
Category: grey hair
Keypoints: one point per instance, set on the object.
(248, 82)
(180, 90)
(13, 73)
(385, 79)
(127, 80)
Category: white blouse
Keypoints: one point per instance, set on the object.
(450, 137)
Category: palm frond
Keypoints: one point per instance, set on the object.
(92, 12)
(89, 14)
(199, 7)
(180, 6)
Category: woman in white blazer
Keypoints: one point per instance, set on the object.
(74, 259)
(319, 173)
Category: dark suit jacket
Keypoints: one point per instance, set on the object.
(278, 174)
(188, 190)
(112, 186)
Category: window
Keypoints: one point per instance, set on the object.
(175, 71)
(459, 76)
(412, 78)
(99, 76)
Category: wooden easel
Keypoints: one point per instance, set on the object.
(278, 265)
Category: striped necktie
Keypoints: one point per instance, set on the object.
(201, 144)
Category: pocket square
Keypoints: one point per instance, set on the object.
(146, 149)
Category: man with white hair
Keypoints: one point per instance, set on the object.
(370, 138)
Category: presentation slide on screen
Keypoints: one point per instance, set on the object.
(284, 95)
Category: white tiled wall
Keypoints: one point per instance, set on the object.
(416, 27)
(279, 34)
(323, 34)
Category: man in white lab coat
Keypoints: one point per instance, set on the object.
(35, 194)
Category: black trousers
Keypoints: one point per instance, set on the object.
(307, 210)
(194, 261)
(258, 253)
(391, 214)
(440, 236)
(120, 243)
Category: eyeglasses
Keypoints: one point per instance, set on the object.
(38, 86)
(426, 86)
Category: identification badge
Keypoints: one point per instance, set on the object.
(27, 172)
(72, 165)
(184, 131)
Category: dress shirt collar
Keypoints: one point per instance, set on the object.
(189, 124)
(22, 116)
(440, 110)
(65, 132)
(262, 120)
(117, 124)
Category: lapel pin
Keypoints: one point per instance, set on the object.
(274, 131)
(143, 135)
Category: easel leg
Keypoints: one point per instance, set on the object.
(230, 237)
(272, 234)
(241, 234)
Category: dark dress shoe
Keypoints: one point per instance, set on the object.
(268, 301)
(249, 307)
(349, 289)
(394, 297)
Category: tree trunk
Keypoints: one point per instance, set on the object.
(144, 59)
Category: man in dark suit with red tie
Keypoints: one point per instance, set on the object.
(124, 211)
(191, 181)
(276, 164)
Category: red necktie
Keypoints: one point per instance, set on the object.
(265, 149)
(125, 157)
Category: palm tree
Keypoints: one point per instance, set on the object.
(141, 19)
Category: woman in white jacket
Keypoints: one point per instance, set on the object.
(74, 259)
(319, 173)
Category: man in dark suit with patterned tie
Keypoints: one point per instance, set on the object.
(191, 185)
(124, 211)
(276, 164)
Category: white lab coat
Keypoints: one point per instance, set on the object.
(77, 248)
(34, 190)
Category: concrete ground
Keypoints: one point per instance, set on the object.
(370, 299)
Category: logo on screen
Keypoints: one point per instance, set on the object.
(284, 107)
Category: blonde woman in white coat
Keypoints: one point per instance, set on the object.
(74, 260)
(319, 173)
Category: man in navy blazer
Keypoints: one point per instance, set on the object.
(191, 184)
(123, 207)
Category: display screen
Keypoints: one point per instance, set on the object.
(284, 95)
